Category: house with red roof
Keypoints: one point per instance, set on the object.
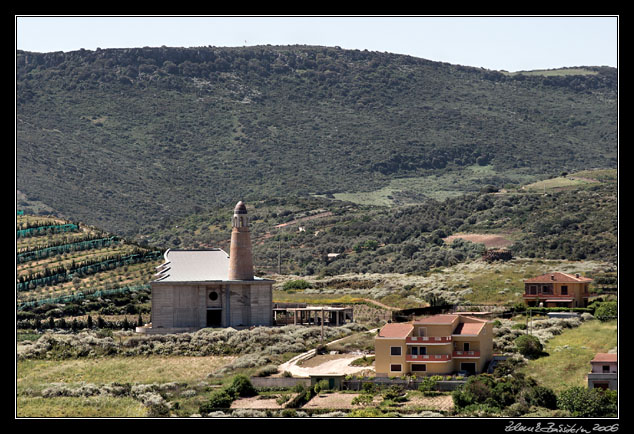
(435, 345)
(557, 290)
(604, 374)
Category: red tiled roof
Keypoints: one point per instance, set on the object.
(396, 330)
(605, 357)
(558, 277)
(468, 328)
(437, 319)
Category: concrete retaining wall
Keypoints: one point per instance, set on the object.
(279, 381)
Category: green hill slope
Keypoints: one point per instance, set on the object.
(123, 138)
(67, 270)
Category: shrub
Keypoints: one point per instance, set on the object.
(364, 399)
(241, 387)
(267, 370)
(427, 386)
(606, 311)
(529, 346)
(217, 400)
(584, 402)
(540, 396)
(296, 284)
(394, 393)
(321, 386)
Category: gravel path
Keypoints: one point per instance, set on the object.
(338, 365)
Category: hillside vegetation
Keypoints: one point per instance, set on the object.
(67, 271)
(126, 138)
(296, 235)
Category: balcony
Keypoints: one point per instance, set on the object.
(466, 354)
(428, 340)
(428, 358)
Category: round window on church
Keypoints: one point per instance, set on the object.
(213, 296)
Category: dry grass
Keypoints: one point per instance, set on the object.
(94, 406)
(37, 374)
(569, 355)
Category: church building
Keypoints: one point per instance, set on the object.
(194, 289)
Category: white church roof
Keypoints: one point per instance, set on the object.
(210, 265)
(193, 266)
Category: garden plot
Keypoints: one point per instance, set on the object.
(332, 400)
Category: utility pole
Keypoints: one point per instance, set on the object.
(322, 324)
(279, 252)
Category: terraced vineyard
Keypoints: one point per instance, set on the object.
(67, 270)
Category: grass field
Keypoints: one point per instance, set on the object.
(439, 187)
(67, 406)
(35, 374)
(569, 355)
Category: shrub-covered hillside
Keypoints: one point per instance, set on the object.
(67, 271)
(124, 138)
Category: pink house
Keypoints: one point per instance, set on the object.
(604, 372)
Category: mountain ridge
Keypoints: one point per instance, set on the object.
(125, 138)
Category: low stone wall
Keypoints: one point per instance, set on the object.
(279, 381)
(442, 386)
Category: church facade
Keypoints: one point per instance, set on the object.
(194, 289)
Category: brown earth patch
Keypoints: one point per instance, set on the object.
(490, 241)
(332, 400)
(438, 403)
(256, 402)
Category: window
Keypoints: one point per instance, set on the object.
(395, 368)
(419, 367)
(564, 290)
(606, 369)
(213, 296)
(395, 351)
(466, 346)
(414, 351)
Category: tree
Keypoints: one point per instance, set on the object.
(606, 311)
(89, 323)
(529, 346)
(218, 399)
(584, 402)
(241, 387)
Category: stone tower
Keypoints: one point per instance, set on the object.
(240, 255)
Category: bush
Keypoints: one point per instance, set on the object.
(606, 311)
(241, 387)
(296, 284)
(584, 402)
(219, 399)
(540, 396)
(529, 346)
(427, 386)
(321, 385)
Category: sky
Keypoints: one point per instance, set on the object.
(510, 43)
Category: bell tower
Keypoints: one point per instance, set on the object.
(240, 255)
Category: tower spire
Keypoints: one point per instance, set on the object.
(240, 254)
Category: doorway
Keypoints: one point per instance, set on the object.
(470, 368)
(214, 317)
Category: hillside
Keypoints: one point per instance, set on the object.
(573, 218)
(66, 270)
(127, 138)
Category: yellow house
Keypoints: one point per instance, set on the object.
(436, 345)
(557, 290)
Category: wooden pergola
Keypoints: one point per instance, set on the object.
(312, 315)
